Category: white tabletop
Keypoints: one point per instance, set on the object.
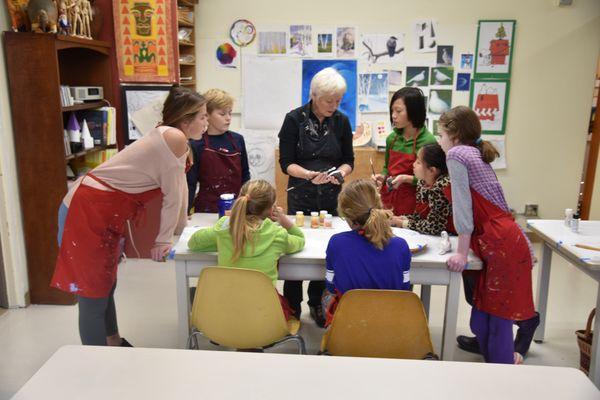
(557, 234)
(85, 372)
(316, 243)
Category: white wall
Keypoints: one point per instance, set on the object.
(551, 85)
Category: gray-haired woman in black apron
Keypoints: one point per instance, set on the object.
(315, 138)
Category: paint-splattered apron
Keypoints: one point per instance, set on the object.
(401, 200)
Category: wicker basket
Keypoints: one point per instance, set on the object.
(584, 341)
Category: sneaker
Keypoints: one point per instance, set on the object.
(468, 343)
(125, 343)
(316, 313)
(525, 334)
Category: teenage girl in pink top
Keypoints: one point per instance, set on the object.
(103, 202)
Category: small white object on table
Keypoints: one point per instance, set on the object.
(559, 238)
(427, 268)
(87, 372)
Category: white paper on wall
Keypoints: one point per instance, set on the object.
(272, 87)
(146, 118)
(260, 146)
(500, 144)
(425, 36)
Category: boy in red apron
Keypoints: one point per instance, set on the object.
(398, 184)
(220, 157)
(503, 292)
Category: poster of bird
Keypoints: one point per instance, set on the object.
(445, 55)
(463, 82)
(440, 101)
(442, 76)
(417, 76)
(382, 48)
(346, 38)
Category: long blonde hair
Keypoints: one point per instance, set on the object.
(360, 203)
(253, 204)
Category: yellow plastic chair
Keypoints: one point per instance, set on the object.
(240, 308)
(379, 323)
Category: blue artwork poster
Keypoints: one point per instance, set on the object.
(347, 68)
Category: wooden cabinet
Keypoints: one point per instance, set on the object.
(37, 64)
(187, 46)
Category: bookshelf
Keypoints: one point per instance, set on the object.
(187, 50)
(37, 64)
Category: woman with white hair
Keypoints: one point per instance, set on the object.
(313, 139)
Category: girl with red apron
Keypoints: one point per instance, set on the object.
(401, 199)
(220, 172)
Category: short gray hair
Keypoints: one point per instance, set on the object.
(327, 82)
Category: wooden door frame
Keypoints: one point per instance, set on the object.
(592, 161)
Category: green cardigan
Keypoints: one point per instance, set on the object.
(268, 243)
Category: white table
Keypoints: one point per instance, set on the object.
(85, 372)
(427, 268)
(559, 238)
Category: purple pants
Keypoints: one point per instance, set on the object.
(495, 337)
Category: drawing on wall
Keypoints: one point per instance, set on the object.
(489, 100)
(443, 76)
(379, 48)
(260, 146)
(394, 77)
(271, 43)
(494, 48)
(440, 100)
(347, 68)
(373, 92)
(242, 32)
(445, 55)
(466, 61)
(346, 37)
(425, 36)
(500, 144)
(301, 40)
(417, 76)
(141, 100)
(227, 56)
(363, 134)
(463, 82)
(325, 44)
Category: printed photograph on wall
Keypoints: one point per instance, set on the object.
(272, 43)
(463, 82)
(325, 44)
(373, 92)
(346, 41)
(442, 76)
(142, 109)
(417, 76)
(489, 100)
(300, 40)
(440, 101)
(425, 36)
(347, 68)
(380, 48)
(466, 61)
(445, 55)
(493, 56)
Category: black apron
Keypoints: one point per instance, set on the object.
(316, 150)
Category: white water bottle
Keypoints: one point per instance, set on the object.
(568, 217)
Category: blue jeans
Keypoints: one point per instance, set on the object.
(62, 217)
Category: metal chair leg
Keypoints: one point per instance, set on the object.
(295, 338)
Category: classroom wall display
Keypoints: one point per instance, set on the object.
(260, 146)
(142, 108)
(347, 68)
(145, 41)
(489, 100)
(301, 40)
(463, 82)
(394, 77)
(440, 101)
(417, 76)
(499, 143)
(373, 92)
(466, 62)
(271, 88)
(242, 32)
(226, 55)
(494, 52)
(443, 76)
(346, 41)
(272, 43)
(325, 44)
(425, 36)
(380, 48)
(445, 55)
(380, 127)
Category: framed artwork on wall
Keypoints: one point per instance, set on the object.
(494, 53)
(142, 109)
(489, 100)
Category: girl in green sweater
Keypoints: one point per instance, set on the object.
(255, 235)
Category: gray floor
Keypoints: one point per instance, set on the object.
(146, 307)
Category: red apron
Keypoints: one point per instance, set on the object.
(96, 222)
(220, 172)
(402, 199)
(423, 209)
(503, 286)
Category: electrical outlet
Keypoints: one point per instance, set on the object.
(531, 210)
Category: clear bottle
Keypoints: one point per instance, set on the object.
(314, 219)
(328, 221)
(575, 223)
(568, 217)
(299, 219)
(322, 215)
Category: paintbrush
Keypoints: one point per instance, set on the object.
(587, 247)
(372, 167)
(309, 180)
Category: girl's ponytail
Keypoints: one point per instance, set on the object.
(377, 227)
(239, 227)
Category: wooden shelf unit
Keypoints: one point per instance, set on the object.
(187, 48)
(37, 64)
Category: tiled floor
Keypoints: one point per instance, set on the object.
(146, 307)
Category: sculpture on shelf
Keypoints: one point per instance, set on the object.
(79, 16)
(43, 16)
(64, 28)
